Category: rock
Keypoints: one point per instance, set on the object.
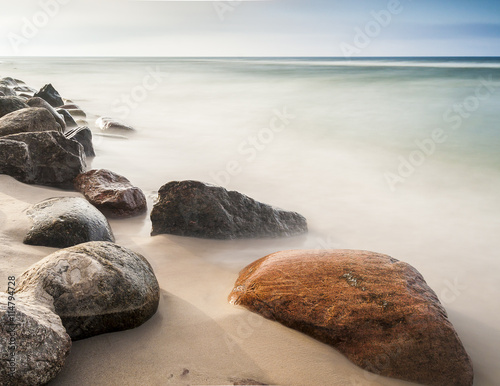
(39, 102)
(45, 158)
(25, 89)
(67, 221)
(41, 342)
(8, 104)
(95, 288)
(376, 310)
(77, 113)
(8, 81)
(50, 94)
(7, 91)
(28, 120)
(68, 118)
(82, 135)
(70, 106)
(192, 208)
(106, 123)
(111, 193)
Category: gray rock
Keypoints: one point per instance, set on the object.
(68, 118)
(50, 94)
(192, 208)
(39, 102)
(106, 123)
(28, 120)
(9, 104)
(41, 342)
(8, 81)
(67, 221)
(7, 91)
(82, 135)
(95, 288)
(45, 158)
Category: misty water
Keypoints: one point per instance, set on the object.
(398, 156)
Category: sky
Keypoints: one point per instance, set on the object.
(275, 28)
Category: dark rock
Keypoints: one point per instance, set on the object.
(82, 135)
(50, 94)
(77, 113)
(28, 120)
(45, 158)
(7, 91)
(192, 208)
(41, 342)
(95, 287)
(67, 221)
(8, 81)
(68, 118)
(106, 123)
(111, 193)
(9, 104)
(39, 102)
(376, 310)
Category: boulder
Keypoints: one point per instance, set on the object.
(82, 135)
(25, 89)
(45, 158)
(68, 118)
(34, 342)
(66, 221)
(8, 81)
(7, 91)
(192, 208)
(28, 120)
(8, 104)
(376, 310)
(50, 94)
(39, 102)
(95, 288)
(106, 123)
(111, 193)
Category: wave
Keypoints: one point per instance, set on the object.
(358, 62)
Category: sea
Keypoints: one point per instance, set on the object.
(395, 155)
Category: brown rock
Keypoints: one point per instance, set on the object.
(33, 119)
(111, 193)
(376, 310)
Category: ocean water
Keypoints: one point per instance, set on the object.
(399, 156)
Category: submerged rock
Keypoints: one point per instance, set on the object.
(40, 343)
(9, 104)
(50, 94)
(32, 119)
(106, 123)
(68, 118)
(45, 158)
(82, 135)
(95, 288)
(39, 102)
(192, 208)
(66, 221)
(111, 193)
(376, 310)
